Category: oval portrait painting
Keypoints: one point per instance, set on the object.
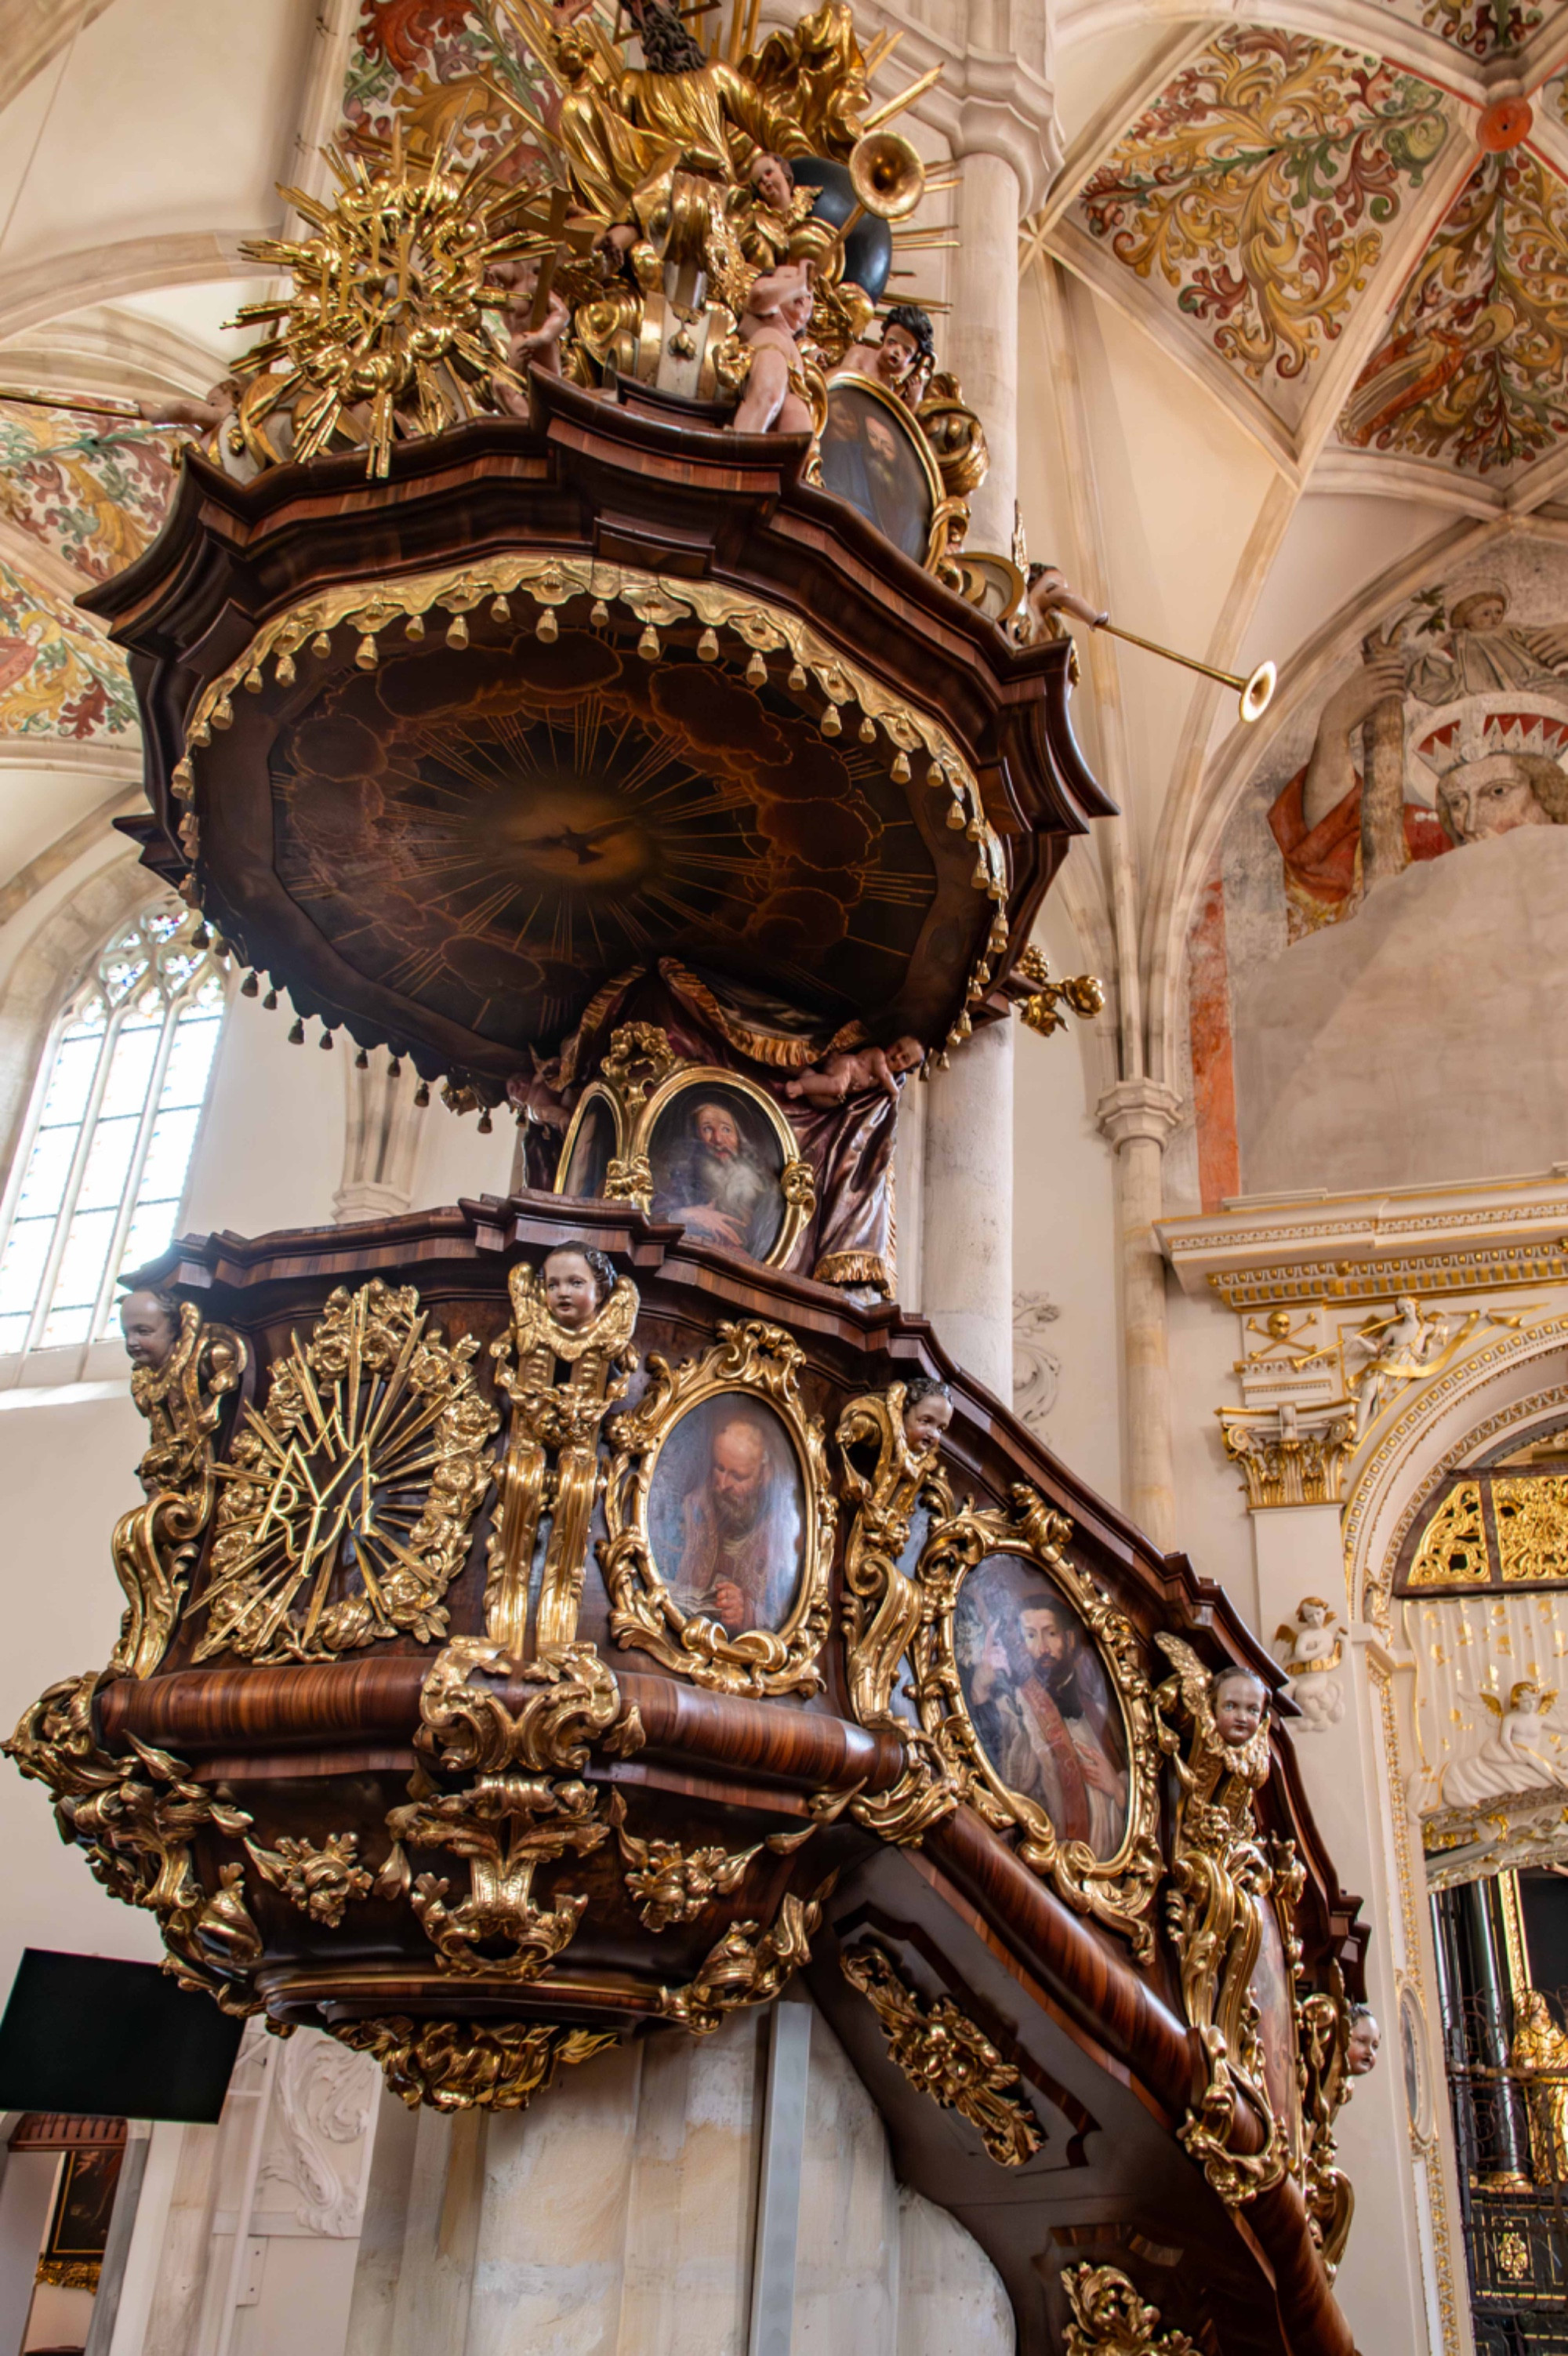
(718, 1167)
(588, 1164)
(1041, 1703)
(873, 457)
(726, 1514)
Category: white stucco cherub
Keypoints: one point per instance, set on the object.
(1309, 1650)
(1507, 1761)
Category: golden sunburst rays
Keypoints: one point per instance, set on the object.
(387, 316)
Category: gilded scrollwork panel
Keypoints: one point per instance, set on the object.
(156, 1545)
(1222, 1876)
(135, 1816)
(346, 1504)
(720, 1515)
(552, 1462)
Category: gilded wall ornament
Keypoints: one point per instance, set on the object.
(1221, 1876)
(1290, 1455)
(941, 2051)
(346, 1504)
(720, 1515)
(1031, 1684)
(464, 2066)
(559, 1421)
(1110, 2319)
(319, 1880)
(156, 1545)
(136, 1816)
(746, 1969)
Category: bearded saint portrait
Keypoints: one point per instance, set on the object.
(1043, 1711)
(727, 1516)
(709, 1174)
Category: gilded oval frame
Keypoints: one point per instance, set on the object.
(1118, 1890)
(936, 526)
(596, 1093)
(797, 1180)
(752, 1361)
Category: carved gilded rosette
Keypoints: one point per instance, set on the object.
(346, 1500)
(1222, 1879)
(551, 1457)
(155, 1546)
(136, 1816)
(1109, 2317)
(720, 1515)
(1031, 1685)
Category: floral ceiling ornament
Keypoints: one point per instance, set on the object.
(1259, 186)
(1470, 373)
(1482, 28)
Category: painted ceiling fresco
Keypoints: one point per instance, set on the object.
(1258, 190)
(1471, 370)
(439, 63)
(1272, 199)
(57, 677)
(1482, 29)
(93, 498)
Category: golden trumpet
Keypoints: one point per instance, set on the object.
(887, 177)
(1255, 693)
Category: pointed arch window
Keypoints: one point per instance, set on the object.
(97, 1182)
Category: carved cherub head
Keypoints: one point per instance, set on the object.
(577, 1283)
(1312, 1612)
(1366, 2036)
(1240, 1702)
(928, 1411)
(773, 179)
(149, 1322)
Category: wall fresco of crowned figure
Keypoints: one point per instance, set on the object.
(1258, 190)
(1469, 373)
(93, 498)
(438, 64)
(57, 679)
(1376, 962)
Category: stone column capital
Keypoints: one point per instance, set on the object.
(1139, 1109)
(995, 98)
(1006, 109)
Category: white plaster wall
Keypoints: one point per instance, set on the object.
(66, 1474)
(1064, 1227)
(1212, 1522)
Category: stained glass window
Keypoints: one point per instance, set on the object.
(97, 1185)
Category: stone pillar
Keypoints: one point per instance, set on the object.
(980, 343)
(1138, 1115)
(381, 1142)
(966, 1255)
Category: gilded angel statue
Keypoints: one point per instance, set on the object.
(1507, 1761)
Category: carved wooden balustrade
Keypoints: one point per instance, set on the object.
(493, 1687)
